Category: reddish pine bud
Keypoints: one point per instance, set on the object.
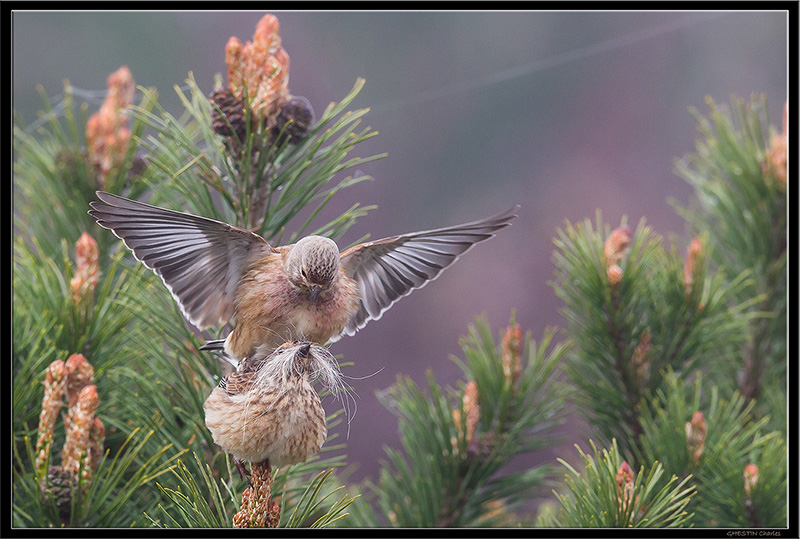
(258, 510)
(469, 404)
(696, 436)
(692, 264)
(107, 132)
(511, 353)
(87, 269)
(614, 275)
(625, 482)
(750, 479)
(263, 67)
(616, 246)
(472, 411)
(80, 374)
(97, 437)
(55, 382)
(79, 425)
(776, 164)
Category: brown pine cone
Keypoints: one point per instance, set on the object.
(232, 111)
(58, 488)
(293, 121)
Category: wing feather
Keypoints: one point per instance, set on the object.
(388, 269)
(200, 260)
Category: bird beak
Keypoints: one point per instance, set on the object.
(304, 349)
(315, 290)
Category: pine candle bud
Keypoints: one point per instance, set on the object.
(87, 270)
(495, 510)
(750, 479)
(55, 380)
(81, 419)
(472, 412)
(257, 509)
(392, 517)
(691, 266)
(94, 451)
(614, 275)
(776, 165)
(696, 436)
(107, 132)
(234, 61)
(511, 349)
(262, 66)
(625, 480)
(616, 246)
(80, 374)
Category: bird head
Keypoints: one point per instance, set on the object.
(312, 265)
(294, 360)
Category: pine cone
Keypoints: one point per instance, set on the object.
(232, 111)
(293, 121)
(58, 487)
(138, 166)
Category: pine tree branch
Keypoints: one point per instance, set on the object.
(447, 474)
(617, 333)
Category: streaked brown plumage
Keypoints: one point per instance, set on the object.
(272, 411)
(219, 273)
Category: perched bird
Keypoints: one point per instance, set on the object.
(220, 273)
(270, 411)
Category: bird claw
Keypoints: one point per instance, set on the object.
(244, 473)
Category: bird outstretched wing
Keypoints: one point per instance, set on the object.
(200, 260)
(388, 269)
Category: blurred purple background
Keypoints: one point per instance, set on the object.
(562, 113)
